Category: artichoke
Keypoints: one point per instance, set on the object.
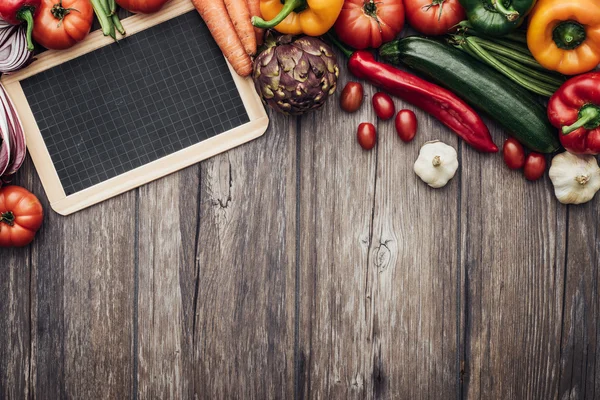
(294, 76)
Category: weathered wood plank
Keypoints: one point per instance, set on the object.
(168, 279)
(244, 328)
(512, 253)
(378, 263)
(579, 378)
(82, 301)
(15, 329)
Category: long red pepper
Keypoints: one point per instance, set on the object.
(435, 100)
(16, 12)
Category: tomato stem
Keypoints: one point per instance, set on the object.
(60, 12)
(8, 218)
(433, 4)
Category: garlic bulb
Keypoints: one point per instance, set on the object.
(576, 178)
(437, 163)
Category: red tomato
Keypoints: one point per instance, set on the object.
(21, 216)
(369, 23)
(366, 135)
(514, 155)
(406, 125)
(59, 24)
(383, 105)
(142, 6)
(434, 17)
(535, 166)
(352, 97)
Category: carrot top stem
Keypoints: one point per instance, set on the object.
(288, 7)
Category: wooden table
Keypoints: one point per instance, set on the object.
(301, 266)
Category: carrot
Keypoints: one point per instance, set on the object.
(214, 14)
(240, 16)
(254, 7)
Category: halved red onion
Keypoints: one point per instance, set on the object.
(4, 144)
(14, 54)
(18, 148)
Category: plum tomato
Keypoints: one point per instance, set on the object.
(514, 155)
(406, 125)
(383, 105)
(366, 135)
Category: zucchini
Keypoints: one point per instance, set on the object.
(513, 107)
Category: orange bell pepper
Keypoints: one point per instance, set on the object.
(564, 35)
(294, 17)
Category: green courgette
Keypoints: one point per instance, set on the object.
(513, 107)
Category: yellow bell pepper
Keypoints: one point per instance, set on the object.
(294, 17)
(564, 35)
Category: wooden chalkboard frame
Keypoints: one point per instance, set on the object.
(65, 205)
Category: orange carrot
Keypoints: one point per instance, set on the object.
(240, 16)
(254, 7)
(214, 14)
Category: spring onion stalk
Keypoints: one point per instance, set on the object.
(533, 73)
(532, 85)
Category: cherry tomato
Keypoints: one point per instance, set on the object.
(369, 23)
(21, 216)
(366, 135)
(383, 105)
(535, 166)
(352, 97)
(514, 155)
(406, 125)
(59, 25)
(434, 17)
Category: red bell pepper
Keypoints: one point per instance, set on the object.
(16, 12)
(575, 110)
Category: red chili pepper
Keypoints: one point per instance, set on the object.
(575, 109)
(16, 12)
(437, 101)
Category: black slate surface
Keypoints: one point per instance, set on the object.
(133, 102)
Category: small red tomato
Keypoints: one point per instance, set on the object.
(366, 135)
(352, 97)
(514, 155)
(383, 105)
(535, 166)
(406, 125)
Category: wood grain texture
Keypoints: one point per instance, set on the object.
(82, 302)
(512, 256)
(378, 263)
(579, 377)
(15, 328)
(244, 327)
(168, 272)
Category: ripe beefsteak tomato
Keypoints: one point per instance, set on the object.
(369, 23)
(142, 6)
(21, 216)
(434, 17)
(59, 24)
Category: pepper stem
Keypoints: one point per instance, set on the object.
(510, 13)
(568, 35)
(589, 117)
(26, 15)
(288, 7)
(347, 52)
(8, 218)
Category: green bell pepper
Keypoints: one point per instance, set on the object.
(496, 17)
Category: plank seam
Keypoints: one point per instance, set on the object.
(459, 348)
(297, 367)
(136, 289)
(197, 265)
(30, 384)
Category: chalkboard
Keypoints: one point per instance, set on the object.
(119, 107)
(99, 114)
